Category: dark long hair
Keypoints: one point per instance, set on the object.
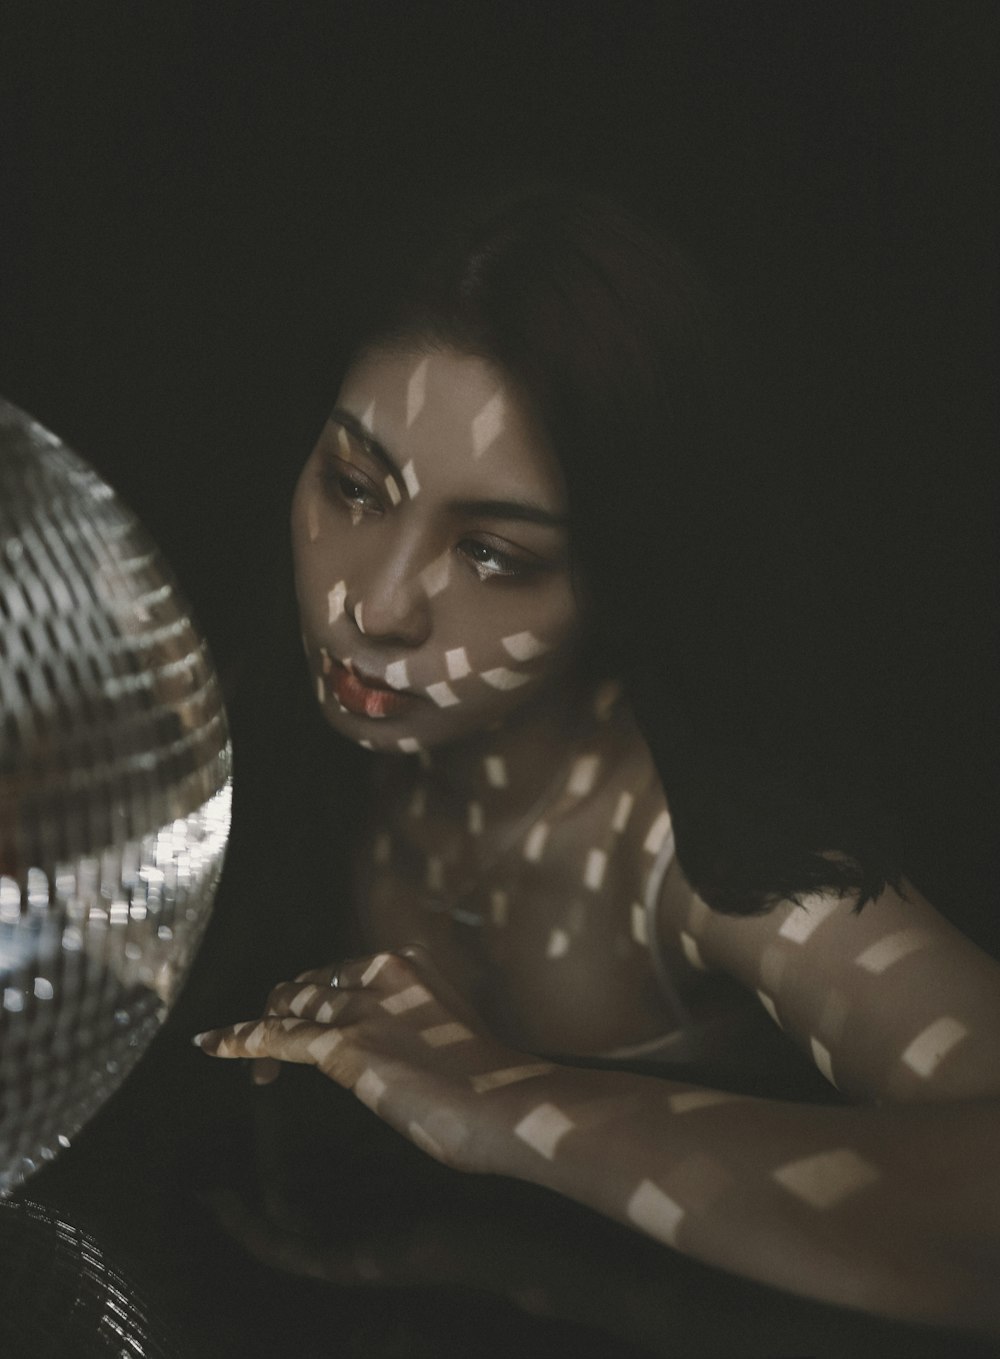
(609, 336)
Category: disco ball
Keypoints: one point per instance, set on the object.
(115, 788)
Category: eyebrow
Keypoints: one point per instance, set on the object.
(510, 509)
(364, 436)
(524, 510)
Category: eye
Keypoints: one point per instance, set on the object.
(351, 490)
(487, 560)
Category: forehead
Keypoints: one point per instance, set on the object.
(457, 418)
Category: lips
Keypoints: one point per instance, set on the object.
(364, 696)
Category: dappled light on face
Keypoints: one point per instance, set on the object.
(487, 425)
(457, 663)
(416, 391)
(445, 556)
(436, 577)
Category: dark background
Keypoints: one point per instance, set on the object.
(189, 189)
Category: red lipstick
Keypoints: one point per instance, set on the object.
(365, 697)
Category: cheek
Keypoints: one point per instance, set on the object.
(320, 550)
(512, 641)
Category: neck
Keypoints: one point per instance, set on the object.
(508, 767)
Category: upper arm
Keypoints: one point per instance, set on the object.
(892, 1003)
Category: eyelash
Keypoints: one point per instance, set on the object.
(507, 566)
(354, 494)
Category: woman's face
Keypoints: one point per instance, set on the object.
(431, 553)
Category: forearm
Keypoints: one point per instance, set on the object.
(895, 1211)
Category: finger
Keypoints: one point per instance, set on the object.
(372, 970)
(321, 976)
(264, 1071)
(307, 1000)
(287, 1039)
(420, 959)
(407, 979)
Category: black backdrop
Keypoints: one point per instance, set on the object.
(187, 187)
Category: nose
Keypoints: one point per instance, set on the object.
(390, 605)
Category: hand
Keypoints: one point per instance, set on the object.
(390, 1029)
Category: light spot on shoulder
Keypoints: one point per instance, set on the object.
(692, 952)
(826, 1179)
(892, 949)
(408, 745)
(821, 1056)
(583, 775)
(657, 834)
(640, 932)
(655, 1212)
(534, 845)
(558, 944)
(929, 1049)
(769, 1006)
(595, 869)
(496, 771)
(689, 1100)
(474, 818)
(498, 907)
(623, 810)
(508, 1075)
(803, 921)
(543, 1129)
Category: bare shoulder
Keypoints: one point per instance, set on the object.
(891, 1002)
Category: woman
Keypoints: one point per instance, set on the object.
(582, 889)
